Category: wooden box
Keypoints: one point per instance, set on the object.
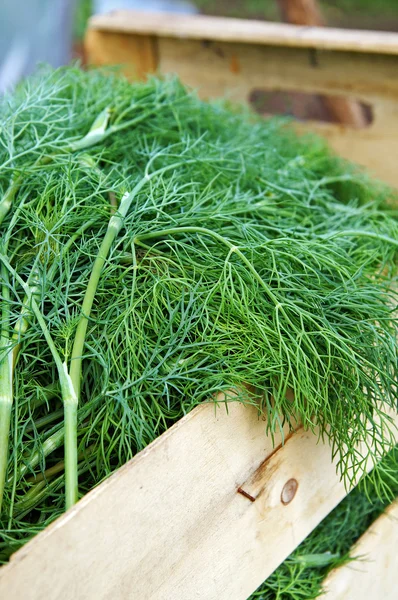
(196, 514)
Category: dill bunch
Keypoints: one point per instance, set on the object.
(156, 250)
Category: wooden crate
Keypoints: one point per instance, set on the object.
(231, 57)
(212, 507)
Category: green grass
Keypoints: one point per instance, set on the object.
(268, 9)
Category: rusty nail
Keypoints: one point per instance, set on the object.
(289, 491)
(245, 494)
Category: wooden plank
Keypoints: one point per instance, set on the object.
(234, 69)
(373, 576)
(208, 510)
(201, 27)
(137, 54)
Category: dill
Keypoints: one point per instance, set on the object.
(156, 250)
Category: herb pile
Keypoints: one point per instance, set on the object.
(156, 250)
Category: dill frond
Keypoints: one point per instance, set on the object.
(245, 255)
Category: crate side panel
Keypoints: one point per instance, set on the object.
(134, 55)
(208, 510)
(373, 575)
(172, 524)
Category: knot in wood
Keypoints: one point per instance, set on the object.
(289, 491)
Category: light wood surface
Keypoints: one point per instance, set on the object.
(138, 55)
(235, 70)
(232, 58)
(207, 511)
(242, 30)
(374, 575)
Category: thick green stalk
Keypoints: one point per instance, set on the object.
(67, 390)
(115, 225)
(70, 411)
(59, 467)
(6, 396)
(41, 490)
(5, 416)
(53, 442)
(7, 200)
(22, 324)
(99, 130)
(6, 348)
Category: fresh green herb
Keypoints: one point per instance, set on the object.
(156, 250)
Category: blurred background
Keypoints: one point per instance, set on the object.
(52, 31)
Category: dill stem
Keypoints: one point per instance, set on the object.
(40, 491)
(80, 336)
(6, 394)
(59, 467)
(41, 422)
(22, 324)
(53, 442)
(115, 225)
(7, 200)
(5, 417)
(67, 391)
(71, 478)
(360, 233)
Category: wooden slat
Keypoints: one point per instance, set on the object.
(374, 575)
(242, 30)
(140, 51)
(208, 511)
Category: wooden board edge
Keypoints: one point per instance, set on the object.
(245, 31)
(193, 497)
(372, 575)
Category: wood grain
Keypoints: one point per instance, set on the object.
(307, 12)
(373, 576)
(370, 78)
(136, 54)
(173, 522)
